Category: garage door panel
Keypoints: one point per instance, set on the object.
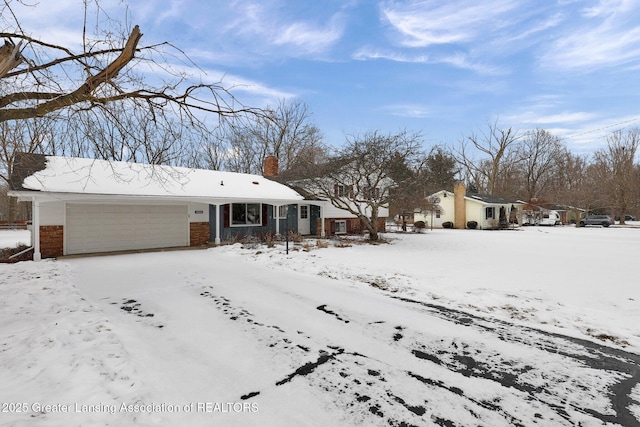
(104, 228)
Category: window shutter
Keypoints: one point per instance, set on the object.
(226, 215)
(335, 190)
(348, 226)
(265, 214)
(351, 195)
(333, 227)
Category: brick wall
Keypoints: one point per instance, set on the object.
(51, 241)
(270, 166)
(460, 208)
(198, 233)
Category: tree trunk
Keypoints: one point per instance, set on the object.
(371, 226)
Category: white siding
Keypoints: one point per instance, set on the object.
(475, 212)
(198, 212)
(52, 213)
(331, 211)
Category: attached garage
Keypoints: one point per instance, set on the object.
(82, 206)
(92, 228)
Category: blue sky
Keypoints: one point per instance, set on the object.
(445, 68)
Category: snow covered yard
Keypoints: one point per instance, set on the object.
(13, 238)
(450, 327)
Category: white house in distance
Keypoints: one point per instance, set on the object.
(460, 208)
(87, 206)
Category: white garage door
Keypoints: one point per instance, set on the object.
(104, 228)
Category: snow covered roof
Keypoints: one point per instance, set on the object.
(491, 199)
(79, 176)
(482, 198)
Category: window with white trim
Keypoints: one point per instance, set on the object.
(304, 212)
(341, 226)
(490, 213)
(246, 214)
(282, 211)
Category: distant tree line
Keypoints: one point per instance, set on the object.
(537, 166)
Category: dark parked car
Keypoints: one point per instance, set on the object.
(627, 218)
(603, 220)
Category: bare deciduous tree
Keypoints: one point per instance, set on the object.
(99, 83)
(499, 157)
(284, 132)
(357, 179)
(616, 170)
(540, 152)
(571, 183)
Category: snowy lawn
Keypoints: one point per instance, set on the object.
(450, 327)
(13, 238)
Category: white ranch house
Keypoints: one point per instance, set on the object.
(82, 206)
(460, 208)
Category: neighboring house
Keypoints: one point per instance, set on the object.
(534, 210)
(460, 208)
(534, 213)
(318, 216)
(87, 206)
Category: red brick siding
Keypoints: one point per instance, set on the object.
(270, 166)
(198, 233)
(51, 241)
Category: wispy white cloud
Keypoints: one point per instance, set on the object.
(432, 22)
(582, 131)
(273, 30)
(608, 36)
(564, 117)
(310, 38)
(526, 35)
(414, 111)
(367, 53)
(458, 60)
(465, 61)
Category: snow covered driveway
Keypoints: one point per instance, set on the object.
(360, 335)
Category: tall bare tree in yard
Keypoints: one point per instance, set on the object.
(284, 131)
(499, 156)
(541, 153)
(572, 183)
(617, 170)
(210, 150)
(357, 179)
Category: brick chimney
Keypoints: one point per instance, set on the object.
(460, 208)
(270, 166)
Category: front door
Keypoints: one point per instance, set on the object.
(304, 221)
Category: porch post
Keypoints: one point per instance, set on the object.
(218, 231)
(276, 211)
(35, 232)
(323, 234)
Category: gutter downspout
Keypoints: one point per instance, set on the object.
(21, 252)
